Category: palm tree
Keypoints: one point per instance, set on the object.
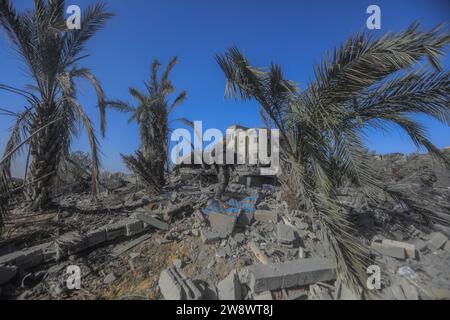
(152, 116)
(51, 54)
(365, 83)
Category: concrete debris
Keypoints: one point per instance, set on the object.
(230, 287)
(262, 258)
(175, 285)
(410, 249)
(266, 216)
(96, 237)
(285, 234)
(110, 278)
(124, 247)
(134, 227)
(388, 250)
(209, 236)
(246, 245)
(222, 224)
(290, 274)
(148, 219)
(441, 293)
(116, 230)
(437, 241)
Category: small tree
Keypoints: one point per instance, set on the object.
(365, 83)
(51, 54)
(152, 115)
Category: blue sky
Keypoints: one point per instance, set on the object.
(295, 34)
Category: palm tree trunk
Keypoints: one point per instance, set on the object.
(45, 147)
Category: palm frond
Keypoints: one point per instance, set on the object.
(143, 169)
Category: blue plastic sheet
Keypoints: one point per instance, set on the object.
(233, 206)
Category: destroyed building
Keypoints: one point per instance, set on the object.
(185, 244)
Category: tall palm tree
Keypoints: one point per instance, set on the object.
(152, 116)
(51, 54)
(365, 83)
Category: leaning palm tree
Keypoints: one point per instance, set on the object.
(51, 54)
(366, 82)
(152, 115)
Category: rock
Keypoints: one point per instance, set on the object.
(230, 288)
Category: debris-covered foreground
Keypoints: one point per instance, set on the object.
(186, 244)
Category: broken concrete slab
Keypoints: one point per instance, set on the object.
(7, 273)
(230, 288)
(410, 249)
(285, 234)
(394, 252)
(73, 242)
(290, 274)
(222, 224)
(116, 230)
(95, 237)
(133, 227)
(437, 241)
(124, 247)
(420, 245)
(10, 258)
(175, 285)
(209, 236)
(30, 258)
(266, 216)
(148, 219)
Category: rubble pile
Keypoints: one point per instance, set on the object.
(186, 244)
